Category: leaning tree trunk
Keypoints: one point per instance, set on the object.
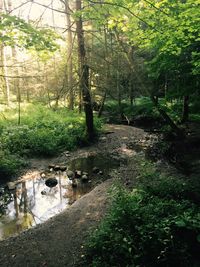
(168, 120)
(84, 75)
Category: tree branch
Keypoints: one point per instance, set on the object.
(126, 8)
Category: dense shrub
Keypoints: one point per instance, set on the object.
(147, 231)
(45, 132)
(9, 164)
(42, 132)
(155, 225)
(142, 106)
(167, 186)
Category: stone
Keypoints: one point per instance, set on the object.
(11, 185)
(63, 168)
(74, 183)
(78, 174)
(56, 168)
(95, 170)
(51, 166)
(43, 192)
(51, 182)
(84, 178)
(70, 174)
(66, 154)
(100, 172)
(42, 174)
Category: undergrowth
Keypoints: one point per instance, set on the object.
(143, 106)
(42, 132)
(155, 225)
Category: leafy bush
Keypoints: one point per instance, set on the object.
(155, 225)
(144, 230)
(166, 186)
(9, 164)
(42, 132)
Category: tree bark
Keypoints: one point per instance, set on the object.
(102, 104)
(69, 56)
(4, 61)
(84, 76)
(107, 72)
(131, 92)
(185, 113)
(168, 120)
(5, 85)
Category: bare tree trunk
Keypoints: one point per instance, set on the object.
(5, 85)
(131, 92)
(46, 85)
(25, 83)
(69, 55)
(185, 113)
(102, 104)
(17, 84)
(84, 75)
(4, 62)
(58, 91)
(107, 74)
(168, 120)
(166, 86)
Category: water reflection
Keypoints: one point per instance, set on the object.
(32, 202)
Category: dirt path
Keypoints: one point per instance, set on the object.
(58, 241)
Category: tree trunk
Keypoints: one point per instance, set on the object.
(168, 120)
(131, 92)
(102, 104)
(3, 62)
(69, 56)
(185, 113)
(84, 76)
(5, 85)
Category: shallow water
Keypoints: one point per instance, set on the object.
(32, 202)
(26, 206)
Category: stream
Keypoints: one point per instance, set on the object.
(28, 201)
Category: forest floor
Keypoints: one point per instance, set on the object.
(59, 241)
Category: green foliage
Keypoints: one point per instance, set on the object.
(42, 132)
(142, 106)
(45, 132)
(160, 41)
(15, 31)
(156, 225)
(144, 230)
(166, 186)
(9, 164)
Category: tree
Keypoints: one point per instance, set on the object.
(84, 74)
(167, 37)
(69, 55)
